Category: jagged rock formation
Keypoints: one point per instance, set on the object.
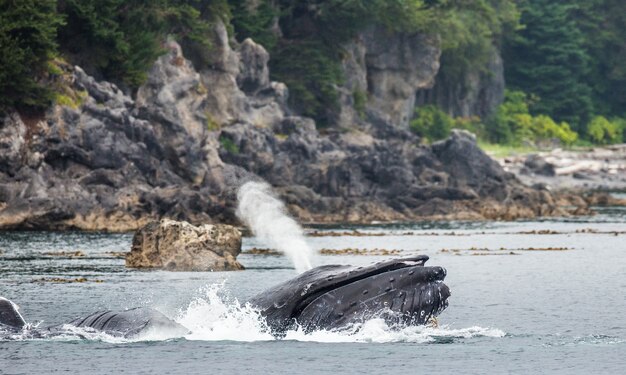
(180, 246)
(180, 148)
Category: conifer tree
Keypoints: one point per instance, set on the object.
(604, 26)
(547, 59)
(27, 41)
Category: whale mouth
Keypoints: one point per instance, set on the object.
(336, 296)
(355, 276)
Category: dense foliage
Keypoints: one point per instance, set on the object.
(603, 131)
(570, 56)
(603, 25)
(551, 62)
(511, 124)
(564, 65)
(117, 40)
(27, 42)
(563, 60)
(471, 31)
(120, 39)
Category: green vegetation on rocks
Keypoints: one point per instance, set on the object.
(432, 123)
(116, 40)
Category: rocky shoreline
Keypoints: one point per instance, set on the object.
(181, 146)
(583, 170)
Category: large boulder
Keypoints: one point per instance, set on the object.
(180, 246)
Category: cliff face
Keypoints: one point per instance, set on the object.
(477, 93)
(387, 69)
(191, 136)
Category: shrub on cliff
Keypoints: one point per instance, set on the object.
(431, 123)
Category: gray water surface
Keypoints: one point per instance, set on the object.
(533, 311)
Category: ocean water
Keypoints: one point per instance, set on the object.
(527, 297)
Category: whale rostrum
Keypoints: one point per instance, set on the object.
(400, 291)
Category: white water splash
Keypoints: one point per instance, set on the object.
(266, 216)
(214, 318)
(211, 318)
(377, 331)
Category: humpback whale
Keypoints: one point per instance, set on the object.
(400, 291)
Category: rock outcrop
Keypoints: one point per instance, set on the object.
(180, 246)
(386, 175)
(112, 163)
(477, 93)
(193, 134)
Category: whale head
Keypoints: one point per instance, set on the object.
(331, 297)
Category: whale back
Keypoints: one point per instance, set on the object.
(130, 323)
(9, 314)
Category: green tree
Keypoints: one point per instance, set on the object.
(548, 59)
(604, 27)
(27, 42)
(255, 22)
(470, 31)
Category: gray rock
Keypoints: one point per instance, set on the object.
(254, 74)
(538, 165)
(12, 141)
(113, 163)
(180, 246)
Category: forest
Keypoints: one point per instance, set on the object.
(564, 61)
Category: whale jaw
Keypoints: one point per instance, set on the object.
(402, 291)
